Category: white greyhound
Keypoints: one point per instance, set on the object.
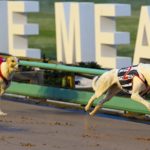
(134, 80)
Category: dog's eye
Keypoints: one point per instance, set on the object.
(12, 61)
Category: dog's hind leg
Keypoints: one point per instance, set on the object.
(103, 84)
(90, 102)
(138, 87)
(113, 90)
(99, 91)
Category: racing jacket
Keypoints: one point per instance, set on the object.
(126, 75)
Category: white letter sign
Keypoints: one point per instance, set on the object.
(106, 36)
(14, 28)
(82, 26)
(75, 32)
(142, 48)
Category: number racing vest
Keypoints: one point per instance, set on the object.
(125, 77)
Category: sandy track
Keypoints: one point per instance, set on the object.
(43, 128)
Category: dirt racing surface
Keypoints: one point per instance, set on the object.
(32, 127)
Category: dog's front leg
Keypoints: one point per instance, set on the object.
(1, 112)
(138, 87)
(136, 97)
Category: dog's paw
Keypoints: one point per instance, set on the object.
(3, 114)
(92, 113)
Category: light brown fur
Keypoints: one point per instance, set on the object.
(7, 69)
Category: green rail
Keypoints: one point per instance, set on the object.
(73, 96)
(62, 67)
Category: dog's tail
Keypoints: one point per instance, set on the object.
(94, 82)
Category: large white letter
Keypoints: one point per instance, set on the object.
(142, 48)
(3, 27)
(15, 29)
(106, 36)
(75, 32)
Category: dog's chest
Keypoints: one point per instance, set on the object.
(125, 77)
(4, 81)
(4, 84)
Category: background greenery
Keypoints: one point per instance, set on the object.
(46, 40)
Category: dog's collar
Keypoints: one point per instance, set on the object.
(1, 75)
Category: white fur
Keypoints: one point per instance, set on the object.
(94, 82)
(109, 83)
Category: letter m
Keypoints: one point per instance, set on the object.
(74, 32)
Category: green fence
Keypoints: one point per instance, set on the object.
(62, 67)
(69, 95)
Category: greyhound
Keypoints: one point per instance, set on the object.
(7, 69)
(134, 80)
